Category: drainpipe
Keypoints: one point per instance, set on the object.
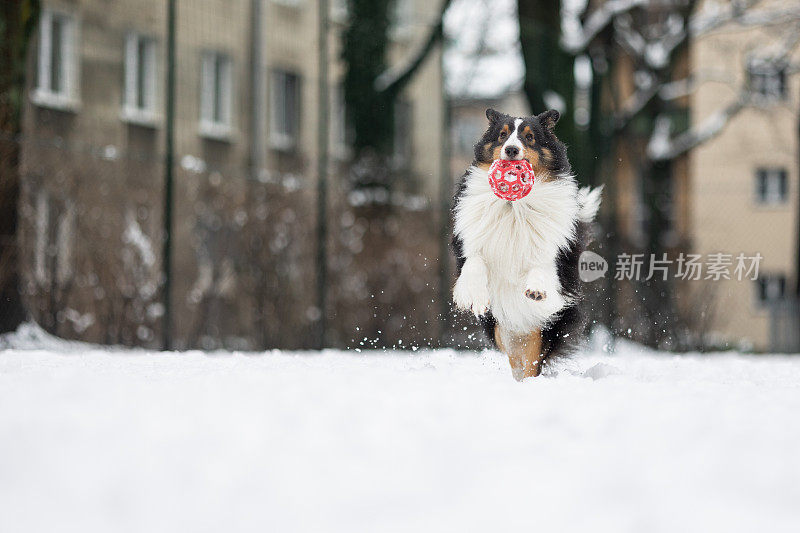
(445, 192)
(169, 159)
(322, 177)
(797, 259)
(257, 89)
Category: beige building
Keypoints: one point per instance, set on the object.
(744, 182)
(246, 147)
(247, 81)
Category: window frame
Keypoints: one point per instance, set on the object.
(403, 145)
(765, 71)
(342, 132)
(767, 196)
(146, 115)
(279, 138)
(466, 130)
(293, 4)
(401, 20)
(339, 11)
(762, 289)
(66, 98)
(216, 95)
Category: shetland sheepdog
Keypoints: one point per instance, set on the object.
(518, 261)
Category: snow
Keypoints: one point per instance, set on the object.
(578, 29)
(95, 439)
(659, 145)
(138, 239)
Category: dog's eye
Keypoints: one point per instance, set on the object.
(503, 134)
(529, 137)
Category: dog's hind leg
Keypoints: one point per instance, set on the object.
(524, 351)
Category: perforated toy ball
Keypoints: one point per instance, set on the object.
(511, 180)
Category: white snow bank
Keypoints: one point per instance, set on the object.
(431, 441)
(30, 336)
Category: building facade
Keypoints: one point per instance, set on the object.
(733, 196)
(744, 181)
(246, 147)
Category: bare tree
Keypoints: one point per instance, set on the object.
(651, 36)
(647, 43)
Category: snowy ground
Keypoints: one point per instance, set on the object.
(99, 441)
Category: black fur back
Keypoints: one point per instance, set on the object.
(563, 335)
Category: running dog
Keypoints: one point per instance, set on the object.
(518, 260)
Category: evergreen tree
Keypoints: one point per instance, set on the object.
(17, 21)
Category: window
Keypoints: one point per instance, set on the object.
(771, 288)
(402, 134)
(284, 110)
(140, 79)
(639, 216)
(56, 63)
(642, 214)
(342, 132)
(339, 11)
(767, 80)
(401, 19)
(466, 131)
(216, 96)
(771, 186)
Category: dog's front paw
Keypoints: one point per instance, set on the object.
(535, 295)
(471, 295)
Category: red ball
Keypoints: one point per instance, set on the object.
(511, 180)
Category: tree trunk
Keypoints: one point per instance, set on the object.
(549, 72)
(12, 312)
(17, 20)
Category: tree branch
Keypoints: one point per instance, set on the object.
(394, 79)
(656, 51)
(744, 16)
(581, 35)
(662, 148)
(634, 105)
(676, 89)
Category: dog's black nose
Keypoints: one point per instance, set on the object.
(512, 151)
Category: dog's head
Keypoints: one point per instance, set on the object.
(529, 138)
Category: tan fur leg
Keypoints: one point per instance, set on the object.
(524, 352)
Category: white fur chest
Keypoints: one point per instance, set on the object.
(518, 242)
(512, 235)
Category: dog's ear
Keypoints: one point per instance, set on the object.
(548, 119)
(493, 115)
